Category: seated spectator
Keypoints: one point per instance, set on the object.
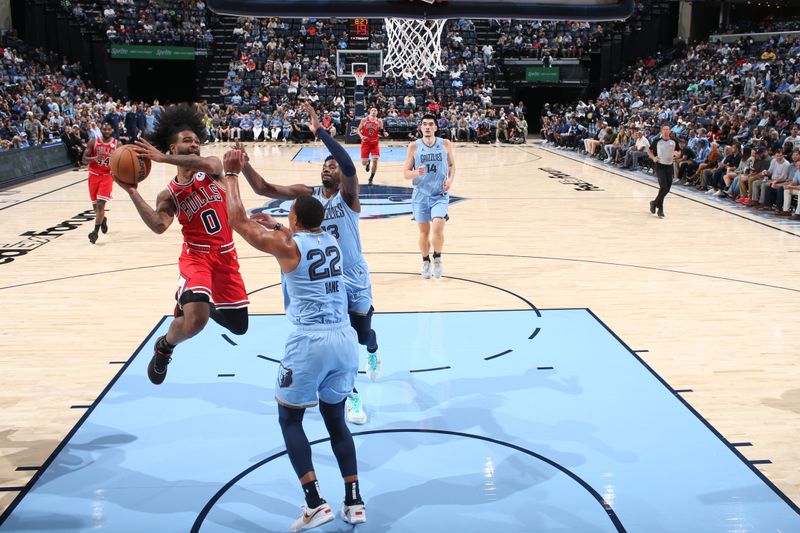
(328, 125)
(713, 157)
(791, 191)
(761, 163)
(717, 182)
(246, 127)
(75, 146)
(763, 192)
(501, 130)
(259, 133)
(484, 133)
(297, 134)
(637, 151)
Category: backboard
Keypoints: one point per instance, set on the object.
(438, 9)
(350, 61)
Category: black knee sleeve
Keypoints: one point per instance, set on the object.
(363, 326)
(341, 440)
(288, 416)
(297, 446)
(191, 296)
(234, 320)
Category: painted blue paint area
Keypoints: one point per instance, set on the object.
(597, 444)
(317, 154)
(377, 201)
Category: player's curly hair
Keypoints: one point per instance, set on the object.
(173, 120)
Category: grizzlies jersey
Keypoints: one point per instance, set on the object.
(314, 292)
(342, 222)
(434, 160)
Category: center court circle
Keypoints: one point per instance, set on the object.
(420, 480)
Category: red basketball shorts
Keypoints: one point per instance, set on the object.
(370, 147)
(100, 186)
(215, 273)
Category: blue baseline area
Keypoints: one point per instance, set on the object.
(317, 154)
(479, 421)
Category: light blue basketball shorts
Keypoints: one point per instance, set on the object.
(359, 289)
(320, 363)
(425, 208)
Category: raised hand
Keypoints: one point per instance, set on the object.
(312, 114)
(268, 221)
(233, 161)
(148, 151)
(240, 146)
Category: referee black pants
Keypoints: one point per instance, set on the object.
(664, 175)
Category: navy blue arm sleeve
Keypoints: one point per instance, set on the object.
(338, 152)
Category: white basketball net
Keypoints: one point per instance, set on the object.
(415, 47)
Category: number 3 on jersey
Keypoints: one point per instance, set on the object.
(333, 229)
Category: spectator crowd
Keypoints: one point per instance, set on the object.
(734, 111)
(149, 22)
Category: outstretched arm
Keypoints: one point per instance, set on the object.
(278, 243)
(264, 188)
(210, 165)
(349, 187)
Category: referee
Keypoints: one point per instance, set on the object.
(664, 152)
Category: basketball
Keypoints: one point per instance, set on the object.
(127, 166)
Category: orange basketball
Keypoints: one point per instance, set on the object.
(128, 167)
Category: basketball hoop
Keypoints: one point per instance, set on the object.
(414, 47)
(360, 77)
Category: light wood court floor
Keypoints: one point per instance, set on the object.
(711, 296)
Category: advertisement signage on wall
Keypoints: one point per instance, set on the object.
(542, 74)
(140, 51)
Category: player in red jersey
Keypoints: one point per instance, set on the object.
(98, 156)
(369, 130)
(209, 268)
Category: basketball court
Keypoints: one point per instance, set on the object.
(582, 365)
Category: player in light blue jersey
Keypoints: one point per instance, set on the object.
(432, 166)
(321, 358)
(339, 195)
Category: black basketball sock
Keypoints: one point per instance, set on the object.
(437, 255)
(352, 494)
(426, 258)
(311, 491)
